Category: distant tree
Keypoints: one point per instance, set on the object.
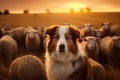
(6, 12)
(88, 9)
(26, 12)
(81, 10)
(0, 12)
(48, 11)
(72, 10)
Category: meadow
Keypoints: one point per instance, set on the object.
(77, 19)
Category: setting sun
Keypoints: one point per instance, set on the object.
(75, 6)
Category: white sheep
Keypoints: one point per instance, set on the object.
(91, 47)
(32, 40)
(110, 50)
(8, 50)
(87, 31)
(106, 29)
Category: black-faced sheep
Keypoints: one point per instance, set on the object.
(99, 34)
(33, 41)
(27, 67)
(110, 50)
(91, 47)
(19, 35)
(8, 50)
(106, 29)
(87, 31)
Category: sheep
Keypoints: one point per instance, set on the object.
(99, 34)
(7, 27)
(41, 31)
(115, 29)
(87, 31)
(3, 73)
(32, 41)
(91, 47)
(8, 50)
(19, 35)
(110, 50)
(41, 28)
(1, 31)
(106, 29)
(28, 67)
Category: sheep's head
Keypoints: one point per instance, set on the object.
(106, 26)
(91, 42)
(88, 27)
(99, 34)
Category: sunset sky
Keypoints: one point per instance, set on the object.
(60, 5)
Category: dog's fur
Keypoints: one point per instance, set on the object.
(63, 62)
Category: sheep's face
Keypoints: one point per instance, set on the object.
(91, 42)
(116, 39)
(87, 27)
(106, 26)
(31, 35)
(99, 34)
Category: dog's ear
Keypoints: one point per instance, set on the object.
(74, 31)
(51, 30)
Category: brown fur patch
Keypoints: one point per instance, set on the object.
(51, 31)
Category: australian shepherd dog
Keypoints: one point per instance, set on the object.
(65, 60)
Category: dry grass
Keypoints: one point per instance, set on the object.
(59, 18)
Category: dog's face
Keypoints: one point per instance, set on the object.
(62, 43)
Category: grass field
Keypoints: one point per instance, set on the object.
(59, 18)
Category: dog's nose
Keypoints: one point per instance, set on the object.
(62, 48)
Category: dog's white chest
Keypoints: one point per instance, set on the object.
(57, 71)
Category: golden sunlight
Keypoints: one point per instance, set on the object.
(75, 6)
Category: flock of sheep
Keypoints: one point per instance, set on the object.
(17, 45)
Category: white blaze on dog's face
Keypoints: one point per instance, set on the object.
(62, 45)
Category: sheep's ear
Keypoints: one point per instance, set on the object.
(51, 30)
(91, 25)
(97, 39)
(110, 24)
(74, 31)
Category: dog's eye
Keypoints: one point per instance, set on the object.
(56, 36)
(68, 37)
